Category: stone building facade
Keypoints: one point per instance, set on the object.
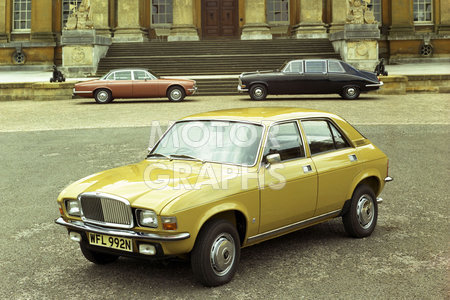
(34, 33)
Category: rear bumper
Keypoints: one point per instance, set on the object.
(375, 85)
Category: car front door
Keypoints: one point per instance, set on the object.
(122, 85)
(316, 77)
(336, 163)
(145, 85)
(288, 189)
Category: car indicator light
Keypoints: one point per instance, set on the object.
(169, 223)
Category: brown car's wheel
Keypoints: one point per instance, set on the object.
(97, 257)
(361, 218)
(350, 92)
(103, 96)
(176, 93)
(216, 253)
(258, 92)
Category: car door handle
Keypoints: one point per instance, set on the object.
(307, 169)
(352, 157)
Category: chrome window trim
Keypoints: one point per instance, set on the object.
(109, 196)
(78, 225)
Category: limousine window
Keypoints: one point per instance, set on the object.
(335, 67)
(285, 140)
(315, 66)
(323, 136)
(294, 67)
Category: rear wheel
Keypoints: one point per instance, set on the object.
(98, 257)
(360, 220)
(176, 94)
(216, 253)
(103, 96)
(350, 92)
(258, 92)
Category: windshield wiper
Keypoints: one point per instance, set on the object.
(186, 156)
(158, 155)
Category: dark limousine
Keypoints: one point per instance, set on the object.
(310, 76)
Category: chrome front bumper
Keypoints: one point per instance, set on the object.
(375, 84)
(241, 90)
(74, 92)
(78, 225)
(193, 90)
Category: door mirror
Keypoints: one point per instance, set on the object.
(272, 159)
(149, 149)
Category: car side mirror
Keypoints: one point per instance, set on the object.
(272, 159)
(149, 149)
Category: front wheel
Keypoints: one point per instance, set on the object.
(103, 96)
(216, 253)
(176, 94)
(97, 257)
(360, 220)
(258, 92)
(350, 92)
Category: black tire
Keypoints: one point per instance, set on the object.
(103, 96)
(350, 92)
(216, 253)
(361, 218)
(258, 92)
(176, 93)
(97, 257)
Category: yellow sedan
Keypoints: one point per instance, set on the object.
(219, 181)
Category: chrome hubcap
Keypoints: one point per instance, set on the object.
(175, 94)
(351, 91)
(365, 211)
(222, 254)
(258, 92)
(102, 96)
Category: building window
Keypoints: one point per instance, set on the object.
(22, 15)
(162, 12)
(376, 8)
(67, 7)
(277, 11)
(422, 10)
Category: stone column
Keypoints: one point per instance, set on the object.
(128, 27)
(444, 24)
(402, 18)
(255, 27)
(183, 28)
(311, 24)
(41, 21)
(339, 10)
(3, 35)
(100, 17)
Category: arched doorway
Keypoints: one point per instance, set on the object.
(220, 19)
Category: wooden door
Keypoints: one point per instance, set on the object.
(220, 18)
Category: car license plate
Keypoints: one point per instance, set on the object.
(108, 241)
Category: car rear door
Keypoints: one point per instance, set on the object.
(145, 85)
(288, 189)
(316, 77)
(336, 162)
(122, 85)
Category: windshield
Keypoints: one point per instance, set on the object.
(226, 142)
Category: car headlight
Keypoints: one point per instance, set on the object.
(73, 207)
(147, 218)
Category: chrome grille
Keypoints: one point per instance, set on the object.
(106, 210)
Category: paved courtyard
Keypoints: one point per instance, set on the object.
(46, 145)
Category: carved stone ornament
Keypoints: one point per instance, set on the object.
(80, 18)
(78, 55)
(360, 13)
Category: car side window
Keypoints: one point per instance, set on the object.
(323, 136)
(141, 75)
(294, 67)
(123, 75)
(285, 140)
(315, 66)
(335, 67)
(110, 77)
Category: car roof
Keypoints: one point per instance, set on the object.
(260, 114)
(128, 69)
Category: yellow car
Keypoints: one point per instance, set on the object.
(219, 181)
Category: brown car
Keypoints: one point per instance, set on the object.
(134, 83)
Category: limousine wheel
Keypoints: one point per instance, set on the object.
(350, 92)
(258, 92)
(361, 219)
(175, 93)
(216, 253)
(98, 257)
(103, 96)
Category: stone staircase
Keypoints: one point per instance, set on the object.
(217, 57)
